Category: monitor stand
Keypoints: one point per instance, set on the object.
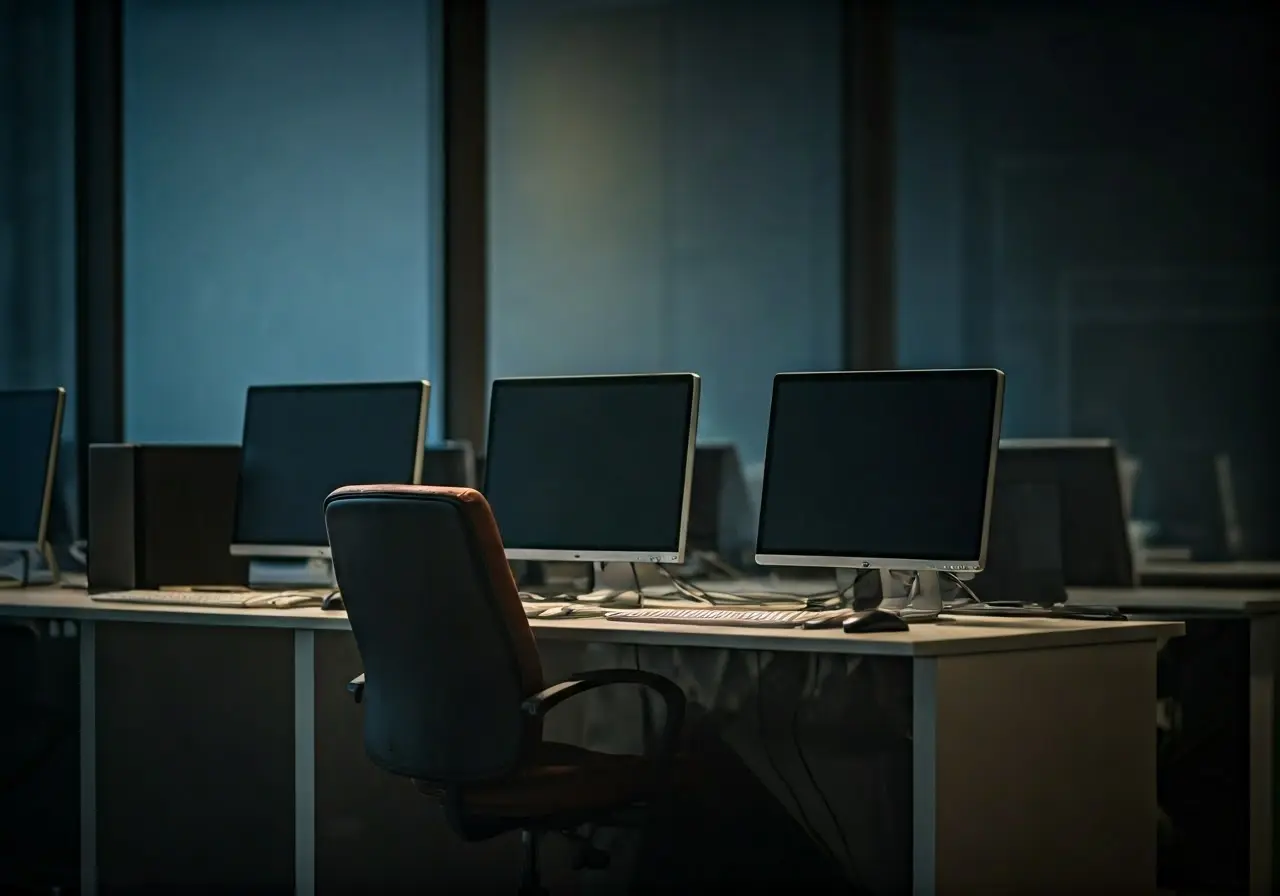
(619, 579)
(32, 565)
(280, 574)
(919, 599)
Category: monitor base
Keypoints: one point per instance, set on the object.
(897, 590)
(280, 573)
(33, 565)
(621, 579)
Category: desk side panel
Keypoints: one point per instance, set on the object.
(1036, 772)
(195, 786)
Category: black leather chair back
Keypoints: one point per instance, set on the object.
(448, 654)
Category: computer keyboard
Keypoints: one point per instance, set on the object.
(241, 599)
(717, 616)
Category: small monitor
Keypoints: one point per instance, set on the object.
(302, 442)
(1096, 551)
(30, 432)
(592, 468)
(453, 463)
(889, 470)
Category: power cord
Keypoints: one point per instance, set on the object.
(813, 782)
(762, 599)
(18, 581)
(808, 827)
(964, 586)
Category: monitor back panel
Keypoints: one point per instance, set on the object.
(453, 464)
(1024, 549)
(1096, 551)
(719, 508)
(162, 515)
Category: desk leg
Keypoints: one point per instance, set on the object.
(1264, 636)
(88, 759)
(304, 761)
(1035, 771)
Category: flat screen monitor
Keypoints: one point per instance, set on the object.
(302, 442)
(1096, 551)
(453, 464)
(30, 432)
(880, 469)
(592, 468)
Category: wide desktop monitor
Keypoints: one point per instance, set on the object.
(592, 468)
(30, 433)
(888, 470)
(1085, 476)
(302, 442)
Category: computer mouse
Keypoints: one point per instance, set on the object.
(827, 620)
(869, 621)
(556, 612)
(333, 602)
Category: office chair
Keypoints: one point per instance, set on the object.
(452, 688)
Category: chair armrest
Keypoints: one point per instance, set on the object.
(672, 696)
(355, 687)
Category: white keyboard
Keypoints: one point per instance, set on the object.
(717, 616)
(211, 598)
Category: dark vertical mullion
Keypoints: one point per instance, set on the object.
(99, 231)
(870, 307)
(465, 124)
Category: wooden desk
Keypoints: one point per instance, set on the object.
(1058, 710)
(1229, 656)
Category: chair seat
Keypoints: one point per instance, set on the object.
(559, 779)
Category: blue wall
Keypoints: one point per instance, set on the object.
(281, 203)
(665, 194)
(37, 196)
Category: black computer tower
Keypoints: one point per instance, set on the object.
(163, 515)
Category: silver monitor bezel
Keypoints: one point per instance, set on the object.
(549, 555)
(900, 563)
(1057, 443)
(308, 552)
(50, 473)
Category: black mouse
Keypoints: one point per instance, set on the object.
(333, 602)
(869, 621)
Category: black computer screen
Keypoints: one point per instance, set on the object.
(590, 464)
(30, 424)
(887, 465)
(302, 442)
(1096, 552)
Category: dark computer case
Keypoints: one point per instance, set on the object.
(719, 508)
(162, 515)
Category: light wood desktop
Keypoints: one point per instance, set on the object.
(1057, 711)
